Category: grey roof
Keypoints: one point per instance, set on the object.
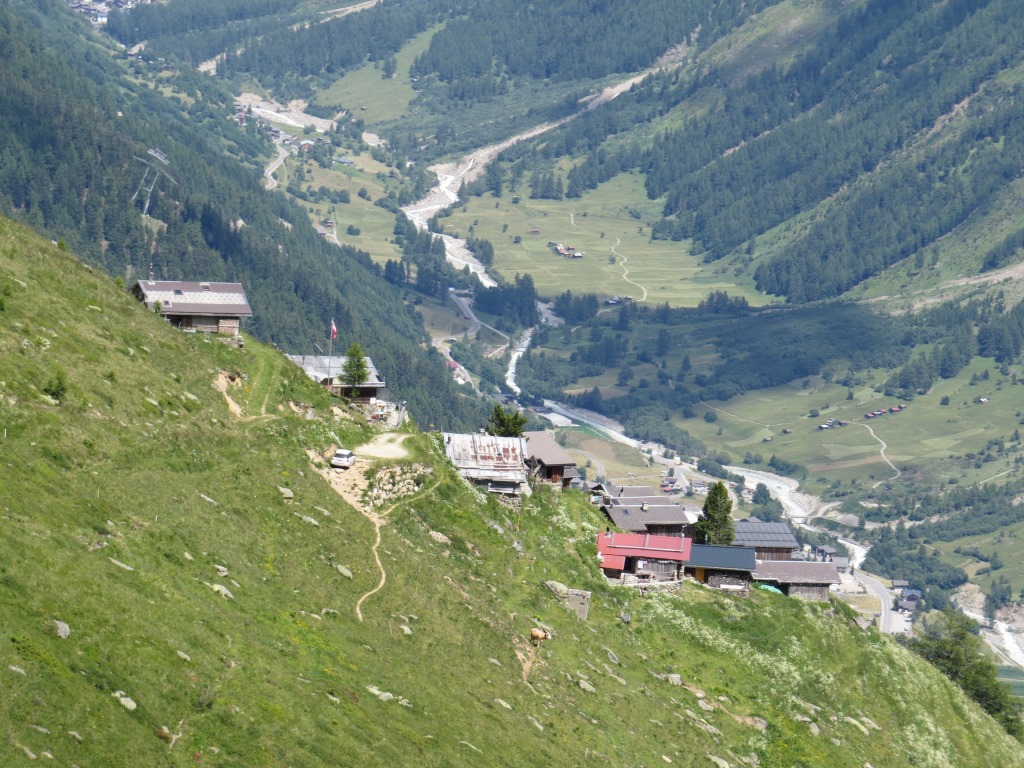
(321, 367)
(841, 562)
(543, 447)
(899, 583)
(183, 297)
(758, 534)
(906, 605)
(636, 517)
(487, 457)
(796, 572)
(721, 558)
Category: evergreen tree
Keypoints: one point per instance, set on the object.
(505, 423)
(715, 525)
(354, 372)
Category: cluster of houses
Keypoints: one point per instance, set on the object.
(909, 600)
(565, 251)
(657, 545)
(883, 411)
(655, 536)
(505, 465)
(833, 424)
(98, 10)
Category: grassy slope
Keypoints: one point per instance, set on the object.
(116, 469)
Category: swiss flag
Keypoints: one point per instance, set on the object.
(334, 330)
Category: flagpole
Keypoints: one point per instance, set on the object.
(330, 351)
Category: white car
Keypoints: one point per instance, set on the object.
(343, 458)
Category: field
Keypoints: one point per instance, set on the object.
(371, 97)
(920, 441)
(609, 225)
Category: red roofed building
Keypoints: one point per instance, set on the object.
(642, 554)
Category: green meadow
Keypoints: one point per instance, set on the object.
(609, 225)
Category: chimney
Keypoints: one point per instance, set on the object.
(151, 271)
(643, 506)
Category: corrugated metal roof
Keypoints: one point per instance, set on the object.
(674, 548)
(183, 297)
(487, 457)
(320, 368)
(722, 558)
(758, 534)
(543, 447)
(796, 572)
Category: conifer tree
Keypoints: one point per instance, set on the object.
(715, 524)
(354, 373)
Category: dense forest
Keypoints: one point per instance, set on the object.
(73, 128)
(848, 130)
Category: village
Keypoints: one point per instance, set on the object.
(649, 539)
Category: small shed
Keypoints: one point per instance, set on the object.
(811, 581)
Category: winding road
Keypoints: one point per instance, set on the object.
(282, 153)
(884, 458)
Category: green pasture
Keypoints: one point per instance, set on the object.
(928, 441)
(368, 95)
(620, 256)
(442, 319)
(1007, 542)
(376, 225)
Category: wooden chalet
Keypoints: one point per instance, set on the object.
(810, 580)
(216, 308)
(651, 514)
(771, 541)
(727, 568)
(328, 372)
(547, 460)
(658, 558)
(496, 463)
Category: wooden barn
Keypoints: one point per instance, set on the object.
(216, 308)
(810, 580)
(657, 558)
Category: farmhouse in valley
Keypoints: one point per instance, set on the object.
(198, 307)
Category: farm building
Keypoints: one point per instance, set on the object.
(726, 568)
(497, 463)
(197, 307)
(651, 514)
(650, 557)
(547, 460)
(810, 581)
(771, 541)
(327, 372)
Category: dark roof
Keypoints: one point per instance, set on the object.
(796, 572)
(543, 448)
(183, 297)
(900, 583)
(721, 558)
(907, 605)
(758, 534)
(636, 517)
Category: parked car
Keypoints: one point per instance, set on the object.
(343, 458)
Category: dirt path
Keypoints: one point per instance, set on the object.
(352, 485)
(884, 458)
(625, 272)
(222, 383)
